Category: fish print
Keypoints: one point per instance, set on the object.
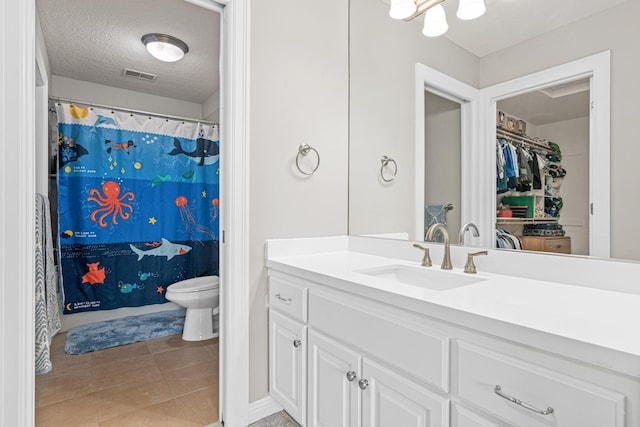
(189, 176)
(160, 179)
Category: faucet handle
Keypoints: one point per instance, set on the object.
(426, 259)
(470, 267)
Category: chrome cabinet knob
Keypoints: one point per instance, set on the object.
(351, 376)
(297, 343)
(363, 384)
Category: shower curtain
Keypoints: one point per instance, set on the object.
(138, 206)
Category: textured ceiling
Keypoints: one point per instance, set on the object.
(93, 40)
(538, 108)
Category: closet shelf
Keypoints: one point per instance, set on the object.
(522, 139)
(520, 221)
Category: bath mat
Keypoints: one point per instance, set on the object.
(127, 330)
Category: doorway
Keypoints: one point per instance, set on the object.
(556, 116)
(17, 84)
(87, 88)
(440, 96)
(596, 70)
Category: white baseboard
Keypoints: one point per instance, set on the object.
(263, 408)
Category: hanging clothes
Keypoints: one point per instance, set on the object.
(506, 240)
(534, 165)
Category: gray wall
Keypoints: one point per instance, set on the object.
(384, 53)
(442, 157)
(299, 94)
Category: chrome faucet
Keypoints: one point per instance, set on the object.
(446, 261)
(468, 226)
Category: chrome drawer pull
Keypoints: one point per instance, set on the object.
(351, 376)
(525, 405)
(297, 343)
(363, 384)
(281, 298)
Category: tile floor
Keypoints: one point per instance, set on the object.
(162, 382)
(279, 419)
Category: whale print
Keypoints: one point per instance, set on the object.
(206, 152)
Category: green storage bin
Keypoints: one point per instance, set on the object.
(528, 201)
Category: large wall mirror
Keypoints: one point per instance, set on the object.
(483, 54)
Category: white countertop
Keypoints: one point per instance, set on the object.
(600, 317)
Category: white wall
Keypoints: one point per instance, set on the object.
(211, 108)
(62, 87)
(616, 29)
(442, 163)
(572, 136)
(299, 94)
(382, 111)
(17, 186)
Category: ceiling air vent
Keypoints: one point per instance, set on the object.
(128, 72)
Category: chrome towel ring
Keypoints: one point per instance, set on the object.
(303, 150)
(385, 162)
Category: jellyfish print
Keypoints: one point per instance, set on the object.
(189, 221)
(215, 203)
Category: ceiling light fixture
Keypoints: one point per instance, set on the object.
(435, 20)
(164, 47)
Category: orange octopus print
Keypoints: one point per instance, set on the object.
(110, 203)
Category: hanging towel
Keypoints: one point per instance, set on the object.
(432, 215)
(47, 314)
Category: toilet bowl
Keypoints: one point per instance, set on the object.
(200, 296)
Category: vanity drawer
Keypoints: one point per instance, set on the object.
(574, 402)
(288, 297)
(385, 335)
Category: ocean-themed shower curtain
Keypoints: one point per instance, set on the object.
(138, 206)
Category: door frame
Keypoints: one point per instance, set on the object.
(597, 68)
(17, 181)
(430, 80)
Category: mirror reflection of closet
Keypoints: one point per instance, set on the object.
(442, 162)
(557, 214)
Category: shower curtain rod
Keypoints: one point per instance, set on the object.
(130, 110)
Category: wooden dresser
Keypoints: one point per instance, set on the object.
(560, 245)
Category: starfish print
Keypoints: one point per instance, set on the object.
(159, 289)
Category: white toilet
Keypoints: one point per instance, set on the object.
(200, 296)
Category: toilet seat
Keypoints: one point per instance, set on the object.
(196, 284)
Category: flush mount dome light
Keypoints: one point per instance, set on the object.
(164, 47)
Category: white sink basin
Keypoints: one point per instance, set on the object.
(425, 277)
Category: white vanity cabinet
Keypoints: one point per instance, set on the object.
(347, 388)
(288, 347)
(370, 362)
(334, 371)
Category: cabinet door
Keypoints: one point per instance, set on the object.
(287, 354)
(390, 399)
(333, 376)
